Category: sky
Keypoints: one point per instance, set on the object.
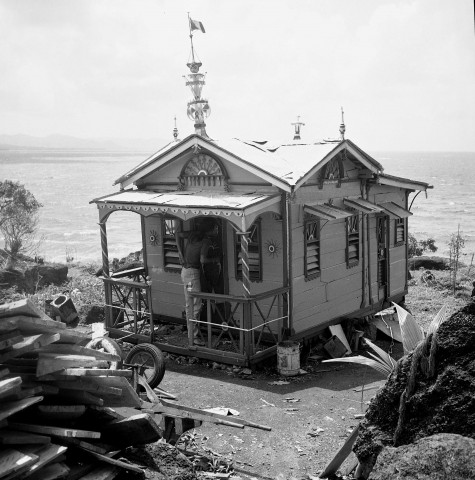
(403, 70)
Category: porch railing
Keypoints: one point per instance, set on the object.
(249, 326)
(129, 303)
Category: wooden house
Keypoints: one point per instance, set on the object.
(309, 234)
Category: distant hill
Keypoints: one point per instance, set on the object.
(66, 142)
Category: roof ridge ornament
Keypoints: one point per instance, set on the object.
(175, 132)
(342, 125)
(198, 109)
(297, 125)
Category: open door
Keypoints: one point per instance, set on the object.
(214, 277)
(382, 253)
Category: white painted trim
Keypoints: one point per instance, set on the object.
(406, 184)
(342, 146)
(216, 150)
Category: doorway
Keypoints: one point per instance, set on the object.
(382, 252)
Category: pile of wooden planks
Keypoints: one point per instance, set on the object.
(57, 400)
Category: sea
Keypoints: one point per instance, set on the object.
(65, 182)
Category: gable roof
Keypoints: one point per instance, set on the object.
(285, 166)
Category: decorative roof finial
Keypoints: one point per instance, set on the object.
(297, 125)
(198, 108)
(342, 125)
(175, 132)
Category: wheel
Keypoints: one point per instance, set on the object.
(150, 360)
(108, 345)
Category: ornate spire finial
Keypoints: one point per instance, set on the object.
(342, 125)
(198, 108)
(175, 132)
(297, 125)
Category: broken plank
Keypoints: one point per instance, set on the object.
(51, 472)
(104, 414)
(9, 384)
(95, 372)
(59, 348)
(341, 455)
(106, 472)
(55, 431)
(93, 447)
(9, 408)
(13, 462)
(46, 455)
(87, 386)
(12, 437)
(338, 331)
(51, 362)
(61, 412)
(29, 344)
(80, 397)
(30, 325)
(135, 430)
(129, 396)
(10, 338)
(4, 372)
(118, 463)
(23, 393)
(194, 411)
(22, 307)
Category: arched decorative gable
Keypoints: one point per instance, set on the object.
(203, 171)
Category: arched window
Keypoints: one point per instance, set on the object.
(203, 171)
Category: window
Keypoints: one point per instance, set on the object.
(254, 252)
(312, 249)
(352, 240)
(171, 259)
(400, 231)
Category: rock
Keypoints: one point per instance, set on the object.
(43, 275)
(429, 263)
(438, 457)
(12, 278)
(92, 314)
(438, 404)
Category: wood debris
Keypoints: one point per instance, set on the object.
(58, 400)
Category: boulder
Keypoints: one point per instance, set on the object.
(441, 401)
(90, 314)
(43, 275)
(438, 457)
(12, 278)
(429, 263)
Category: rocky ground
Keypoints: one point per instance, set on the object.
(311, 415)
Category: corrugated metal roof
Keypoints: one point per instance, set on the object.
(394, 210)
(185, 199)
(327, 212)
(362, 205)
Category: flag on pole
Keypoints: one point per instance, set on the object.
(196, 25)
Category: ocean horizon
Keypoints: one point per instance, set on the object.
(65, 181)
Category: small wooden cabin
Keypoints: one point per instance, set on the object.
(309, 234)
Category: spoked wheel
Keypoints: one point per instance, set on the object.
(150, 362)
(106, 344)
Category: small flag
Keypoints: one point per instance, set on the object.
(196, 25)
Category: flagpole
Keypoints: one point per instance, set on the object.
(191, 39)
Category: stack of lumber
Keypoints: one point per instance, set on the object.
(57, 400)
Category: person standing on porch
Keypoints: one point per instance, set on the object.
(192, 258)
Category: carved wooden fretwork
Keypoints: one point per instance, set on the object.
(332, 172)
(203, 171)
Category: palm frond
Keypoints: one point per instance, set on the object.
(438, 320)
(360, 360)
(411, 332)
(385, 357)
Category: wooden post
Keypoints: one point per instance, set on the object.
(246, 285)
(208, 319)
(106, 273)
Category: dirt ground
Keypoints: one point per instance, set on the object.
(310, 416)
